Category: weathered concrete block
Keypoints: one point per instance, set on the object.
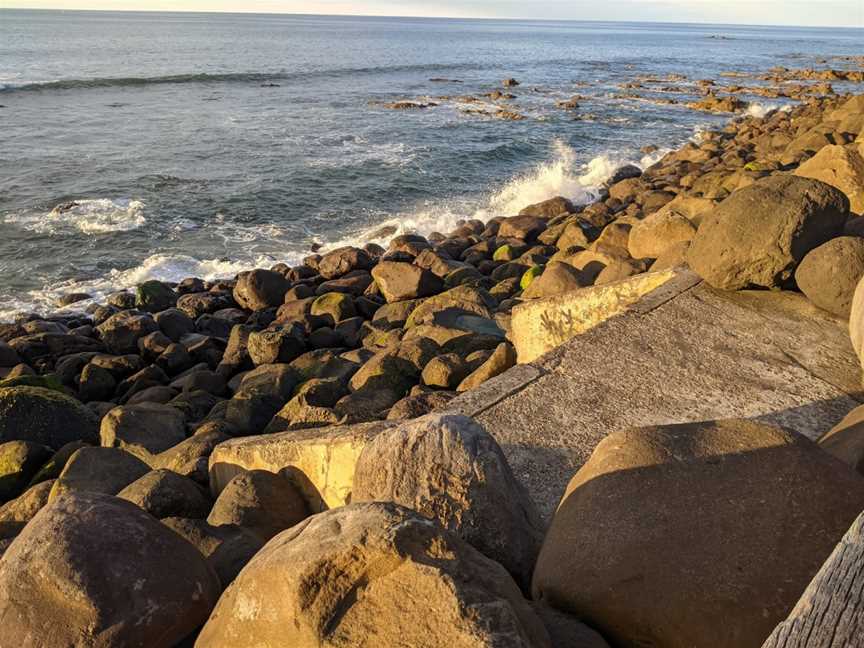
(320, 461)
(542, 325)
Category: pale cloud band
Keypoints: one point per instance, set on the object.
(847, 13)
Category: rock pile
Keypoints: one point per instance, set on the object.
(134, 513)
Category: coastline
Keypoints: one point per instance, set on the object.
(272, 456)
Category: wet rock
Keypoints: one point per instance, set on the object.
(758, 235)
(341, 261)
(136, 582)
(8, 356)
(44, 416)
(260, 289)
(524, 227)
(120, 333)
(695, 483)
(261, 502)
(96, 383)
(476, 602)
(154, 296)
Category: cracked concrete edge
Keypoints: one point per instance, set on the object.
(681, 283)
(516, 379)
(494, 391)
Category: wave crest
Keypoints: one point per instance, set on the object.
(90, 216)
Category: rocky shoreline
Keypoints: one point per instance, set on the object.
(391, 521)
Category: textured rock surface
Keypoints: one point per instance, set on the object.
(681, 570)
(404, 565)
(44, 416)
(758, 235)
(133, 582)
(450, 469)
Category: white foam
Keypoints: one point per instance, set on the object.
(162, 267)
(759, 110)
(90, 216)
(357, 151)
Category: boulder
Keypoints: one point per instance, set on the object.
(386, 370)
(133, 581)
(8, 356)
(163, 493)
(680, 569)
(758, 235)
(525, 228)
(445, 371)
(143, 430)
(303, 589)
(548, 208)
(120, 333)
(417, 405)
(154, 296)
(466, 299)
(841, 167)
(830, 273)
(557, 278)
(657, 233)
(260, 289)
(98, 470)
(262, 502)
(337, 306)
(448, 468)
(846, 440)
(341, 261)
(402, 281)
(190, 458)
(19, 462)
(19, 511)
(500, 361)
(226, 548)
(276, 345)
(96, 383)
(44, 416)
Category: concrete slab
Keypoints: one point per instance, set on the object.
(678, 355)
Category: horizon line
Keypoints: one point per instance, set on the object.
(442, 17)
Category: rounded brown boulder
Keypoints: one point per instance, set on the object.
(369, 575)
(758, 236)
(701, 534)
(93, 570)
(829, 274)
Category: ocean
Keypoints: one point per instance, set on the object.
(203, 144)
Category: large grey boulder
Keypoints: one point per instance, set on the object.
(759, 235)
(448, 468)
(701, 534)
(372, 575)
(93, 570)
(120, 333)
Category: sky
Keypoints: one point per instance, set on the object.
(762, 12)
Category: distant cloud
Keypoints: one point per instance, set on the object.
(848, 13)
